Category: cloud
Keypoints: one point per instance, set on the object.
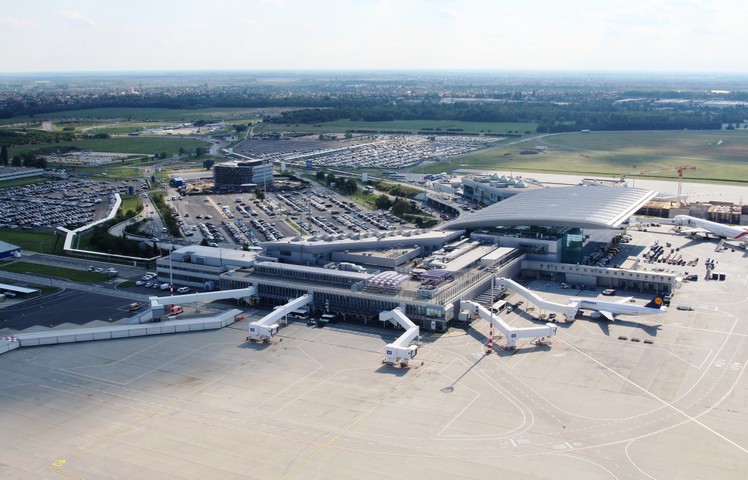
(77, 19)
(13, 22)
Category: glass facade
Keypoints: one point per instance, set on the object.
(236, 177)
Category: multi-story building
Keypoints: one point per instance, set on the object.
(243, 176)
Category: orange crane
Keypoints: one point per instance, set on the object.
(679, 169)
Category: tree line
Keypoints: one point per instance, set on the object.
(594, 112)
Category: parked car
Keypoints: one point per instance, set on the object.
(183, 289)
(609, 291)
(134, 306)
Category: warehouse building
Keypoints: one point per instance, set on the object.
(8, 250)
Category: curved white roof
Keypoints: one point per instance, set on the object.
(582, 206)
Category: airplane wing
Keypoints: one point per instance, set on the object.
(625, 300)
(694, 230)
(607, 315)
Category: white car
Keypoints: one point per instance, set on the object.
(183, 289)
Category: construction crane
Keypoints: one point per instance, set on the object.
(680, 171)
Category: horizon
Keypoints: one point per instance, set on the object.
(382, 71)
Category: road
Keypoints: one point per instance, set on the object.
(67, 306)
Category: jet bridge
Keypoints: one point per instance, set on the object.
(400, 351)
(510, 333)
(568, 310)
(266, 327)
(243, 293)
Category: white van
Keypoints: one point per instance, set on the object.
(498, 306)
(164, 286)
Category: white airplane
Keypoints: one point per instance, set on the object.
(697, 225)
(610, 310)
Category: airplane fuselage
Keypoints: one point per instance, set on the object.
(616, 308)
(697, 225)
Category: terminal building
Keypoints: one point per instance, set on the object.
(564, 224)
(487, 190)
(426, 273)
(244, 176)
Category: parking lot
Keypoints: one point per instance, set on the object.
(230, 221)
(383, 151)
(67, 203)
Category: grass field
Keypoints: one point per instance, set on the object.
(34, 241)
(130, 202)
(23, 181)
(366, 199)
(719, 156)
(145, 145)
(59, 272)
(413, 126)
(152, 114)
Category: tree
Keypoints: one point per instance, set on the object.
(260, 195)
(400, 207)
(182, 151)
(320, 175)
(16, 162)
(4, 155)
(351, 185)
(330, 178)
(383, 202)
(199, 151)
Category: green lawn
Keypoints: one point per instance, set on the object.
(718, 156)
(42, 242)
(130, 202)
(23, 181)
(135, 145)
(413, 126)
(151, 114)
(67, 273)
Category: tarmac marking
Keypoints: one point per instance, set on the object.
(70, 371)
(352, 424)
(626, 451)
(297, 397)
(586, 460)
(129, 426)
(665, 403)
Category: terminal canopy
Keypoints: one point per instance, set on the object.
(581, 206)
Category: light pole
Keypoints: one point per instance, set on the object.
(171, 271)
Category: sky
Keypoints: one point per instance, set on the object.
(568, 35)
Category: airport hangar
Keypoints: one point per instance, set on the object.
(427, 272)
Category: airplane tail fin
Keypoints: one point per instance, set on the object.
(656, 302)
